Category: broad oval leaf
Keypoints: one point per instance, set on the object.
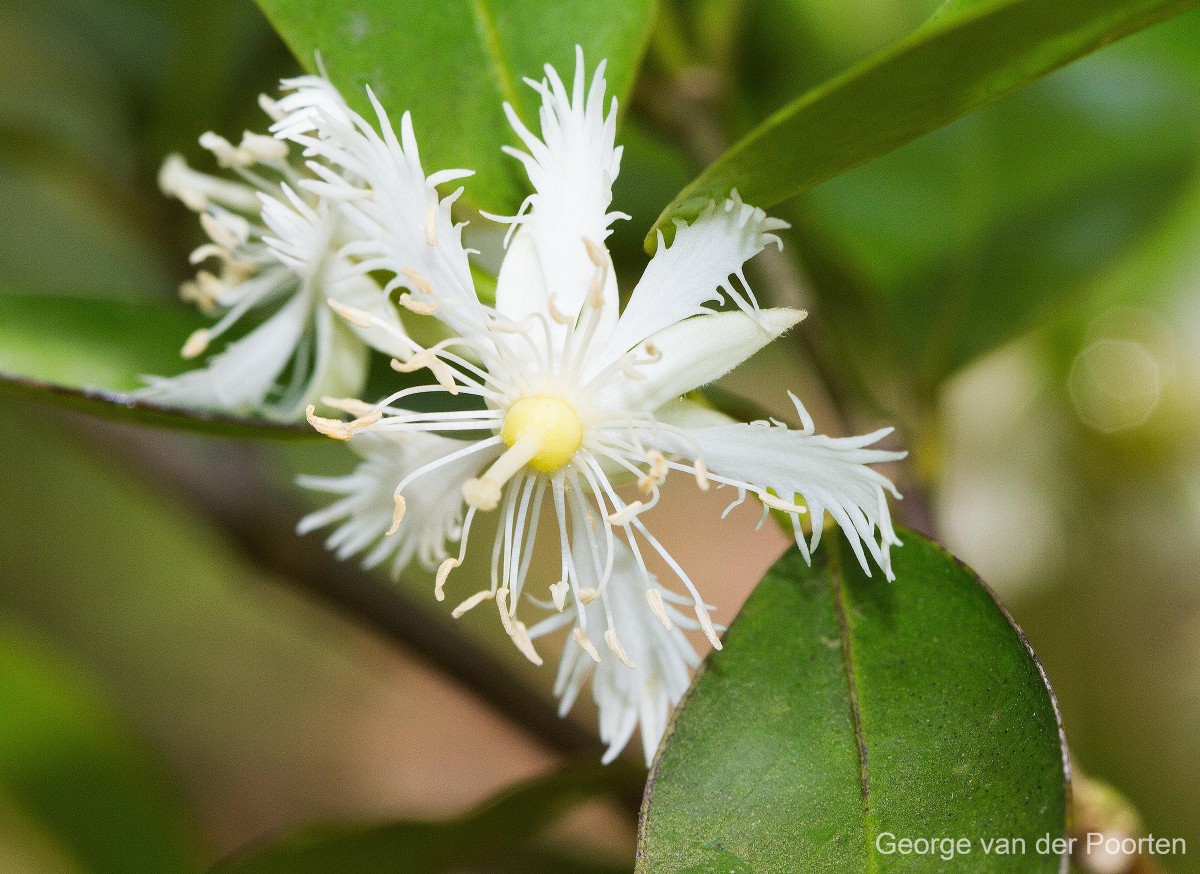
(843, 709)
(495, 837)
(966, 56)
(89, 355)
(72, 768)
(453, 63)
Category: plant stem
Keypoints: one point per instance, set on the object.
(259, 517)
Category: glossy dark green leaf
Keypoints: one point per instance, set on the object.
(844, 708)
(72, 768)
(495, 837)
(1000, 219)
(88, 355)
(453, 64)
(968, 56)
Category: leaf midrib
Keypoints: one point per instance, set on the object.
(837, 591)
(506, 80)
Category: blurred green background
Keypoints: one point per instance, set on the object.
(1020, 291)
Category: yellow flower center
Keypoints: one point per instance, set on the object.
(552, 422)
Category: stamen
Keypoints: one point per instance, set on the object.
(588, 595)
(654, 598)
(555, 313)
(262, 148)
(336, 428)
(516, 630)
(222, 150)
(443, 571)
(210, 286)
(558, 591)
(431, 224)
(520, 637)
(193, 292)
(421, 308)
(269, 106)
(595, 253)
(629, 367)
(585, 644)
(196, 343)
(420, 283)
(599, 278)
(624, 515)
(441, 371)
(398, 511)
(701, 473)
(610, 637)
(656, 475)
(780, 504)
(353, 406)
(220, 234)
(707, 626)
(472, 602)
(353, 315)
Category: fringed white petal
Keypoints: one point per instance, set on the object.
(662, 659)
(698, 268)
(306, 100)
(828, 474)
(571, 167)
(239, 379)
(399, 222)
(690, 354)
(434, 504)
(339, 368)
(386, 331)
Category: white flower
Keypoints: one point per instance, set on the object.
(277, 248)
(557, 398)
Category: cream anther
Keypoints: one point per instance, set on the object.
(399, 507)
(610, 637)
(654, 598)
(420, 307)
(353, 406)
(585, 643)
(555, 313)
(780, 504)
(336, 428)
(353, 315)
(706, 624)
(431, 224)
(472, 602)
(626, 514)
(558, 592)
(196, 343)
(443, 572)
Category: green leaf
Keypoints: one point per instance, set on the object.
(453, 63)
(495, 836)
(1020, 207)
(844, 707)
(88, 355)
(74, 770)
(961, 60)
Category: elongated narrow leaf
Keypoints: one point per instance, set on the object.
(845, 710)
(70, 766)
(88, 355)
(453, 63)
(968, 55)
(495, 837)
(965, 237)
